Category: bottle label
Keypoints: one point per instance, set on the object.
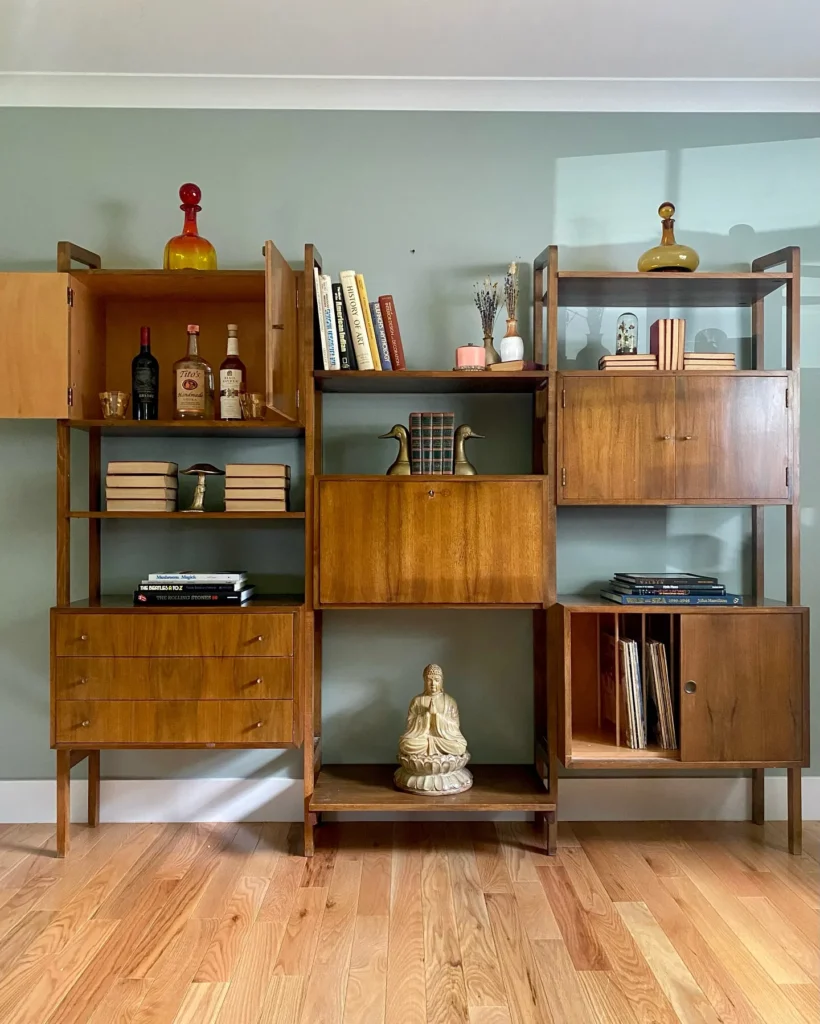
(145, 384)
(230, 388)
(190, 390)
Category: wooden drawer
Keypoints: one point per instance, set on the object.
(175, 723)
(173, 678)
(456, 540)
(154, 634)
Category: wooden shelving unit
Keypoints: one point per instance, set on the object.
(428, 382)
(739, 673)
(186, 517)
(271, 427)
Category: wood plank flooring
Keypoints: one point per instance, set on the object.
(639, 923)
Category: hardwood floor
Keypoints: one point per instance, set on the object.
(410, 924)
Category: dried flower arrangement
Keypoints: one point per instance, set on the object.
(487, 303)
(511, 291)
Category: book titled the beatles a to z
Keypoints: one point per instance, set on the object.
(355, 316)
(192, 588)
(347, 356)
(194, 597)
(197, 577)
(381, 336)
(672, 599)
(391, 328)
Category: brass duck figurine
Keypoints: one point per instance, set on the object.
(401, 467)
(461, 465)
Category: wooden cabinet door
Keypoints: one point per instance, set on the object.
(616, 439)
(34, 345)
(733, 438)
(743, 685)
(449, 541)
(281, 334)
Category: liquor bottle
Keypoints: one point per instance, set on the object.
(144, 380)
(193, 382)
(189, 251)
(232, 379)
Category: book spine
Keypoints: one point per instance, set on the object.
(427, 442)
(203, 598)
(330, 324)
(693, 599)
(645, 580)
(188, 588)
(415, 442)
(391, 327)
(320, 310)
(381, 335)
(361, 345)
(437, 464)
(448, 441)
(196, 577)
(368, 322)
(705, 588)
(347, 358)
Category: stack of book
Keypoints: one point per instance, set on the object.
(646, 361)
(625, 690)
(660, 689)
(141, 487)
(199, 588)
(709, 361)
(641, 588)
(356, 334)
(257, 487)
(667, 338)
(431, 442)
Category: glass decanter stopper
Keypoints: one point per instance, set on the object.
(189, 251)
(669, 255)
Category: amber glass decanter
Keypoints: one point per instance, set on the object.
(189, 251)
(669, 255)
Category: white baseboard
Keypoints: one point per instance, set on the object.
(278, 799)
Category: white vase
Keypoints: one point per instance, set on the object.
(511, 346)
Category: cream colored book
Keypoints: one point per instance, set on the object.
(143, 468)
(368, 323)
(266, 469)
(138, 493)
(141, 505)
(355, 315)
(271, 483)
(123, 480)
(234, 505)
(255, 494)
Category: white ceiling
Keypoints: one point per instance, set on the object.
(428, 54)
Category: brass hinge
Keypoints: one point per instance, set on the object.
(787, 398)
(298, 397)
(787, 476)
(69, 296)
(563, 398)
(563, 476)
(71, 397)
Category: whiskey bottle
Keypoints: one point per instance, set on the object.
(144, 380)
(232, 378)
(193, 382)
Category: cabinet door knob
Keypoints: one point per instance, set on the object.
(431, 494)
(258, 639)
(690, 686)
(85, 724)
(686, 437)
(81, 682)
(666, 437)
(258, 725)
(257, 681)
(83, 636)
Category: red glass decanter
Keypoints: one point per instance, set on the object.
(189, 251)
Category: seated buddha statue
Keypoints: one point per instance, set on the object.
(432, 751)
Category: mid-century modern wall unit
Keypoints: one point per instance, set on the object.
(155, 677)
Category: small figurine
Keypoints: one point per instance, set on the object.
(401, 467)
(669, 255)
(461, 465)
(201, 470)
(189, 251)
(432, 752)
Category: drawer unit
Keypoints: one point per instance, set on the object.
(173, 678)
(163, 634)
(174, 723)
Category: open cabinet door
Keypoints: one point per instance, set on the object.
(281, 334)
(34, 317)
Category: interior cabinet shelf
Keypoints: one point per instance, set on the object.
(690, 291)
(271, 427)
(369, 787)
(188, 516)
(125, 603)
(418, 382)
(182, 285)
(591, 603)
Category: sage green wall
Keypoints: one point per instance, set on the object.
(423, 204)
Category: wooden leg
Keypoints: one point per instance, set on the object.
(545, 822)
(311, 821)
(93, 788)
(63, 802)
(758, 795)
(795, 800)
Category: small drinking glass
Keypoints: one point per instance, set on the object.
(114, 404)
(253, 405)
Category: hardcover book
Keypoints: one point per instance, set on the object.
(427, 442)
(368, 322)
(355, 316)
(255, 494)
(140, 493)
(143, 468)
(437, 456)
(415, 442)
(268, 469)
(191, 588)
(391, 327)
(347, 356)
(320, 311)
(447, 442)
(330, 324)
(671, 599)
(381, 335)
(141, 505)
(194, 597)
(267, 505)
(657, 579)
(185, 576)
(122, 480)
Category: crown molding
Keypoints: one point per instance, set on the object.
(319, 92)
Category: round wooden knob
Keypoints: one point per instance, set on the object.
(686, 437)
(431, 494)
(258, 725)
(84, 636)
(257, 681)
(259, 638)
(85, 724)
(667, 437)
(690, 686)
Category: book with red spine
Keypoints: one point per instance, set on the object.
(391, 329)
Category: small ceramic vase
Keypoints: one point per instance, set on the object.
(490, 354)
(512, 344)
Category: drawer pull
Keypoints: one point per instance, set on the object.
(687, 437)
(258, 725)
(81, 682)
(690, 686)
(257, 682)
(85, 724)
(84, 636)
(258, 639)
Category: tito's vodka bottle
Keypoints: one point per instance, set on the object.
(193, 383)
(144, 380)
(231, 379)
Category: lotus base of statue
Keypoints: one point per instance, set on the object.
(433, 774)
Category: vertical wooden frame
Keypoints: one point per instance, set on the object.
(63, 508)
(94, 525)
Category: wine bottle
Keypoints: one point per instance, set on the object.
(193, 382)
(232, 379)
(144, 380)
